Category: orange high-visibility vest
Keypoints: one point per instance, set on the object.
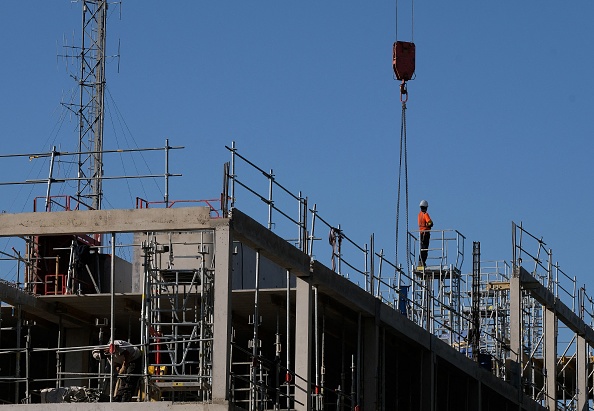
(425, 222)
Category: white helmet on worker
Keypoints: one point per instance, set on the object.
(424, 203)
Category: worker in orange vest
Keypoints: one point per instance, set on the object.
(425, 225)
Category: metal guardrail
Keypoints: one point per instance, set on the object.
(366, 267)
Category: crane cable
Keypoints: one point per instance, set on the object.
(403, 164)
(403, 161)
(412, 22)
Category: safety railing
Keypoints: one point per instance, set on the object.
(493, 312)
(22, 385)
(371, 270)
(213, 204)
(446, 247)
(361, 264)
(276, 197)
(59, 203)
(256, 383)
(92, 379)
(530, 251)
(346, 256)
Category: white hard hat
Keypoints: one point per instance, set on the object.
(97, 355)
(424, 203)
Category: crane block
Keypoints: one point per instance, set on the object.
(403, 60)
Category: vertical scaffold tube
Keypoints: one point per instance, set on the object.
(383, 369)
(233, 149)
(166, 195)
(342, 387)
(353, 382)
(58, 362)
(312, 232)
(300, 224)
(203, 280)
(277, 362)
(303, 223)
(28, 363)
(358, 385)
(317, 348)
(323, 363)
(112, 316)
(270, 202)
(143, 319)
(288, 350)
(254, 391)
(371, 265)
(49, 183)
(379, 270)
(19, 329)
(339, 255)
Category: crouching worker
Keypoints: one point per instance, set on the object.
(126, 365)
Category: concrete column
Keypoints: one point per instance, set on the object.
(303, 351)
(515, 296)
(222, 315)
(582, 373)
(370, 364)
(550, 364)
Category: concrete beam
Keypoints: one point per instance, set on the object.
(254, 235)
(107, 221)
(566, 315)
(36, 307)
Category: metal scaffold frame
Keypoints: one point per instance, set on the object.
(177, 315)
(492, 311)
(438, 298)
(529, 334)
(435, 288)
(556, 337)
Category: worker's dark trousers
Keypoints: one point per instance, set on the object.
(128, 383)
(425, 236)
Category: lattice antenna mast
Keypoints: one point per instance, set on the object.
(91, 103)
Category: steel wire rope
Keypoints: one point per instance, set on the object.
(115, 134)
(67, 170)
(51, 138)
(403, 159)
(49, 141)
(124, 126)
(67, 107)
(412, 22)
(116, 114)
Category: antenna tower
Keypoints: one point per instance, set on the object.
(91, 104)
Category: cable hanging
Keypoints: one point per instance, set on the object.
(403, 64)
(403, 166)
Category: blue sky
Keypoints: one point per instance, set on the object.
(499, 118)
